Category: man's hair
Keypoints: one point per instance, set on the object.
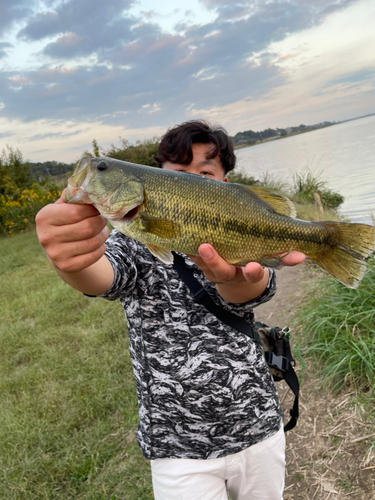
(176, 145)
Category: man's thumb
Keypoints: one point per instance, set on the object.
(61, 199)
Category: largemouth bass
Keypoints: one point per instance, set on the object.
(167, 210)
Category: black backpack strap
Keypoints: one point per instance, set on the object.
(201, 297)
(291, 379)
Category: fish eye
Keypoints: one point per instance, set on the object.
(102, 166)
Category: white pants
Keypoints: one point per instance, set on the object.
(256, 473)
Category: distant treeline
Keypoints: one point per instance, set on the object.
(249, 137)
(41, 170)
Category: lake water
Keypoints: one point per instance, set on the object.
(344, 153)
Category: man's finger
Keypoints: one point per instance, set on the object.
(253, 272)
(67, 214)
(86, 229)
(61, 199)
(221, 269)
(293, 258)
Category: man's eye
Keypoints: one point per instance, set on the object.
(206, 173)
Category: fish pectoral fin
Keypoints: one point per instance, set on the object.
(163, 228)
(162, 254)
(280, 204)
(243, 263)
(274, 261)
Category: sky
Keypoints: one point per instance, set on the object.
(76, 70)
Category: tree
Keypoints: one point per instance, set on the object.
(142, 152)
(15, 174)
(95, 150)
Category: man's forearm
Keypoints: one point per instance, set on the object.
(94, 280)
(238, 293)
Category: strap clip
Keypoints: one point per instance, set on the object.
(279, 362)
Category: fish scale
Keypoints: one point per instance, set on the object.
(168, 210)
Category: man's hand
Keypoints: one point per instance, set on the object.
(73, 237)
(238, 284)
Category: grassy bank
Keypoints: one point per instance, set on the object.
(68, 409)
(338, 331)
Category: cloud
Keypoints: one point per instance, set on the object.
(12, 12)
(4, 46)
(150, 14)
(56, 135)
(101, 64)
(6, 134)
(353, 77)
(73, 16)
(286, 56)
(119, 95)
(137, 64)
(81, 27)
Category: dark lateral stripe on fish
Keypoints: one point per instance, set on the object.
(280, 234)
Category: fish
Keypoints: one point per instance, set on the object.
(178, 211)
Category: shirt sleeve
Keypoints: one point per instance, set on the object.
(121, 252)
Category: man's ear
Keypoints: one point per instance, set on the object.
(225, 179)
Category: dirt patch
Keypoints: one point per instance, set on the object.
(329, 453)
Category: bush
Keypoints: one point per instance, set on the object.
(331, 199)
(239, 178)
(308, 183)
(15, 175)
(20, 198)
(17, 213)
(142, 152)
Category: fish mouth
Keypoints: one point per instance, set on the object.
(76, 195)
(131, 214)
(126, 214)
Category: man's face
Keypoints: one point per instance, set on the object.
(200, 164)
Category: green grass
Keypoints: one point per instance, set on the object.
(307, 183)
(273, 183)
(68, 409)
(338, 327)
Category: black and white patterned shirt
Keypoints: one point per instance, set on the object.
(204, 389)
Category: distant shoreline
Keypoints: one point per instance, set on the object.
(309, 128)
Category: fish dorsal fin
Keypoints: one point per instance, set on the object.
(164, 228)
(162, 254)
(280, 204)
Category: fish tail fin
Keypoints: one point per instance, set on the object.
(346, 260)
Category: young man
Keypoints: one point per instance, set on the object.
(210, 419)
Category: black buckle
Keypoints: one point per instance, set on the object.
(278, 362)
(200, 296)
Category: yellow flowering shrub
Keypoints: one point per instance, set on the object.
(18, 215)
